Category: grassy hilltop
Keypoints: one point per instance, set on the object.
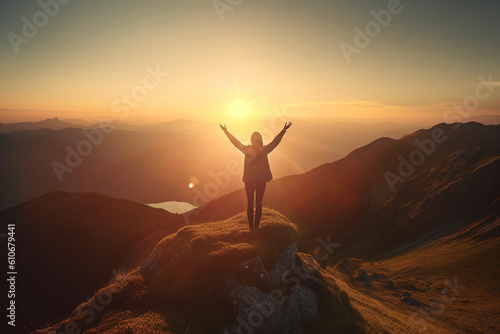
(209, 278)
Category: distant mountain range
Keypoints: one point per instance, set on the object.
(58, 124)
(53, 124)
(157, 163)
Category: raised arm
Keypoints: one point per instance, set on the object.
(232, 138)
(272, 145)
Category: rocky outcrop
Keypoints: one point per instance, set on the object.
(219, 277)
(285, 309)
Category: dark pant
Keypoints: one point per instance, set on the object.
(258, 189)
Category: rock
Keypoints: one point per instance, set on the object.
(284, 264)
(284, 309)
(275, 312)
(363, 276)
(344, 297)
(390, 286)
(378, 277)
(348, 266)
(255, 264)
(149, 266)
(410, 301)
(307, 261)
(411, 286)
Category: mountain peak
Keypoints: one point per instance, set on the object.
(49, 123)
(222, 270)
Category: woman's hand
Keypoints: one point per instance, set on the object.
(223, 127)
(287, 125)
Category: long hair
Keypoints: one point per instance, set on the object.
(256, 140)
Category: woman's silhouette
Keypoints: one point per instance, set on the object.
(256, 170)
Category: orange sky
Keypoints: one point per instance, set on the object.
(94, 60)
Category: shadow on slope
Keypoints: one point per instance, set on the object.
(450, 194)
(69, 243)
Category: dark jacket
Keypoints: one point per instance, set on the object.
(256, 169)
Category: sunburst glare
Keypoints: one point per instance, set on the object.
(239, 108)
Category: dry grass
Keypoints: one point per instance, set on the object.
(429, 275)
(188, 291)
(214, 249)
(128, 322)
(383, 313)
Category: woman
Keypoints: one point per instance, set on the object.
(256, 170)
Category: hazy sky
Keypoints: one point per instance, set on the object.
(92, 59)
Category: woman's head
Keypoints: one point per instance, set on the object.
(256, 140)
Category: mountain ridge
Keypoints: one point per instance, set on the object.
(333, 196)
(50, 123)
(78, 241)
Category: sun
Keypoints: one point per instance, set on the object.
(239, 108)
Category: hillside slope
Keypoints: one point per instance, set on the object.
(71, 243)
(334, 197)
(220, 277)
(446, 286)
(453, 193)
